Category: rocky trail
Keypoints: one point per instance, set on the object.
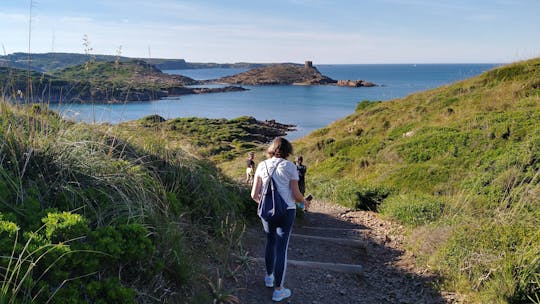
(340, 256)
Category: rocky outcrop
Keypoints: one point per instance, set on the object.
(174, 91)
(218, 90)
(264, 131)
(288, 74)
(355, 83)
(282, 74)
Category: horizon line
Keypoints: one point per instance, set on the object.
(283, 62)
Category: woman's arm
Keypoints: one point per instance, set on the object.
(256, 189)
(297, 195)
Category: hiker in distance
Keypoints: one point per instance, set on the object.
(250, 168)
(278, 230)
(301, 168)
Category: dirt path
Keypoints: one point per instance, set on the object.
(358, 259)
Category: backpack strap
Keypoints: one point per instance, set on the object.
(267, 184)
(275, 168)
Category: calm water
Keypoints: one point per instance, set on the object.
(308, 107)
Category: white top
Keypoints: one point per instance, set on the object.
(285, 172)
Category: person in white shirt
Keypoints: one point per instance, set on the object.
(278, 231)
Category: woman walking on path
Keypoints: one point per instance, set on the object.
(278, 231)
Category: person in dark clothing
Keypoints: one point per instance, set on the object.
(301, 168)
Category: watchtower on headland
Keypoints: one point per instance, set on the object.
(308, 64)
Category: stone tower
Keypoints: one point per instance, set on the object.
(308, 64)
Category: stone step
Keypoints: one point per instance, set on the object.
(341, 241)
(330, 228)
(344, 268)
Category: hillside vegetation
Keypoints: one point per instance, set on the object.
(98, 82)
(88, 216)
(459, 165)
(139, 212)
(219, 140)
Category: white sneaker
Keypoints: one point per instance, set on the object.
(269, 280)
(281, 294)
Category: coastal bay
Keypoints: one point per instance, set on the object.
(307, 107)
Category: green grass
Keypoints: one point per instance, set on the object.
(461, 164)
(222, 141)
(457, 165)
(124, 219)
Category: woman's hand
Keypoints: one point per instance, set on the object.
(297, 195)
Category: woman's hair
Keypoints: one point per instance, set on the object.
(280, 147)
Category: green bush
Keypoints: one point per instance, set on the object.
(8, 231)
(122, 244)
(109, 291)
(413, 209)
(350, 193)
(365, 104)
(77, 268)
(65, 226)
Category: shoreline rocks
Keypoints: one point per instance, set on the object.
(355, 83)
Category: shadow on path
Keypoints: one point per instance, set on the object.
(322, 236)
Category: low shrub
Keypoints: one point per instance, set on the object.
(352, 194)
(66, 260)
(364, 104)
(65, 226)
(413, 209)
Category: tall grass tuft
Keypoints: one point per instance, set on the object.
(118, 184)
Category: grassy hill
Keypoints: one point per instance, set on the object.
(219, 140)
(137, 73)
(90, 216)
(459, 165)
(98, 82)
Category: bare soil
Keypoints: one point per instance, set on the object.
(388, 273)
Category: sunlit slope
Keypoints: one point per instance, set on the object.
(459, 167)
(436, 141)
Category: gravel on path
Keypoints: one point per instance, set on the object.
(388, 274)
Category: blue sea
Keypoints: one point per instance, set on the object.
(307, 107)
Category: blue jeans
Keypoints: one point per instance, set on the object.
(277, 242)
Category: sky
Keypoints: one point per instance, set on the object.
(324, 31)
